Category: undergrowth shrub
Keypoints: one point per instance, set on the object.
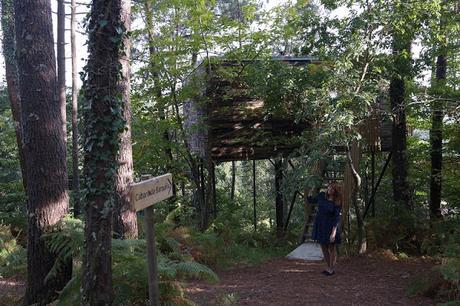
(13, 210)
(13, 257)
(443, 282)
(398, 229)
(130, 268)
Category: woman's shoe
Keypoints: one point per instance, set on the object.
(329, 273)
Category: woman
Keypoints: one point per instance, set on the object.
(326, 229)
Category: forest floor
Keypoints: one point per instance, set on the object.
(358, 281)
(11, 291)
(368, 280)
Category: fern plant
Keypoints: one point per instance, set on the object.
(66, 241)
(129, 268)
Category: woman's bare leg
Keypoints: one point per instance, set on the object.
(325, 249)
(332, 249)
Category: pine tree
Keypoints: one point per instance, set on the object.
(43, 144)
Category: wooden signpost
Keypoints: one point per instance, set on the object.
(143, 195)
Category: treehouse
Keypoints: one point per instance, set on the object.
(227, 120)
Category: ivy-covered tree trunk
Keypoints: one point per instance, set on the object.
(436, 142)
(125, 220)
(401, 53)
(104, 122)
(11, 75)
(43, 143)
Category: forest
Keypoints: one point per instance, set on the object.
(166, 152)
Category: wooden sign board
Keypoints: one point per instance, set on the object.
(151, 191)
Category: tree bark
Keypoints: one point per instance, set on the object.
(436, 142)
(125, 220)
(401, 50)
(43, 144)
(61, 62)
(279, 203)
(75, 172)
(104, 122)
(11, 74)
(353, 157)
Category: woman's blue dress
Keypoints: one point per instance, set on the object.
(327, 216)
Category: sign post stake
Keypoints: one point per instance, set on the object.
(154, 292)
(143, 196)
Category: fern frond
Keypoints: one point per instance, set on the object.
(65, 240)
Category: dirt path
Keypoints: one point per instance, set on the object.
(358, 281)
(11, 291)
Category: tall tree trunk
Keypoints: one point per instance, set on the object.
(401, 49)
(125, 220)
(436, 141)
(44, 144)
(11, 74)
(104, 122)
(75, 172)
(279, 203)
(61, 62)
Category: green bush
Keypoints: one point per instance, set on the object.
(444, 242)
(13, 257)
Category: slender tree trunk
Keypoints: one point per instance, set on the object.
(436, 142)
(104, 122)
(125, 220)
(43, 143)
(401, 193)
(61, 62)
(353, 157)
(75, 172)
(254, 194)
(11, 74)
(279, 203)
(232, 190)
(157, 87)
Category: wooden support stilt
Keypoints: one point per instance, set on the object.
(232, 191)
(254, 193)
(214, 196)
(294, 197)
(374, 190)
(279, 203)
(203, 207)
(372, 202)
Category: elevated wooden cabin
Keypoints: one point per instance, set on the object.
(225, 122)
